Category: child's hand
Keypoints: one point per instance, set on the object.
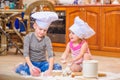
(35, 71)
(71, 62)
(63, 61)
(47, 73)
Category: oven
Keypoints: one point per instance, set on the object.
(57, 29)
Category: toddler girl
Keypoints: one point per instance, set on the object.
(78, 46)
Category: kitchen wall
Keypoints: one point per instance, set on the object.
(57, 1)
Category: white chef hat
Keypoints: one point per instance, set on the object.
(44, 18)
(81, 29)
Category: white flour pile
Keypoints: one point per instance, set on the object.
(51, 78)
(109, 76)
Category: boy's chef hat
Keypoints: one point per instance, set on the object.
(44, 18)
(81, 29)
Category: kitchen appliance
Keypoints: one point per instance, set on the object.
(57, 31)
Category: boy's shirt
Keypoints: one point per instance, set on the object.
(36, 49)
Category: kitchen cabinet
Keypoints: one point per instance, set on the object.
(104, 19)
(110, 27)
(92, 16)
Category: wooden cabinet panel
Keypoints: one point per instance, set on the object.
(93, 19)
(110, 27)
(73, 12)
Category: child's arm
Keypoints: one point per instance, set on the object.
(51, 62)
(82, 52)
(27, 39)
(49, 50)
(66, 53)
(32, 68)
(27, 59)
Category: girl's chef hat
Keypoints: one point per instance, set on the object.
(81, 29)
(44, 18)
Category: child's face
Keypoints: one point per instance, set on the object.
(40, 32)
(73, 37)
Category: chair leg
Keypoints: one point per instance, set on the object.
(16, 52)
(17, 48)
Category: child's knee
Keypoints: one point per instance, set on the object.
(76, 68)
(19, 68)
(44, 67)
(22, 69)
(87, 56)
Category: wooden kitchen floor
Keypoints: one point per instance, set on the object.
(105, 64)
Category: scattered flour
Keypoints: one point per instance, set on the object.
(109, 76)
